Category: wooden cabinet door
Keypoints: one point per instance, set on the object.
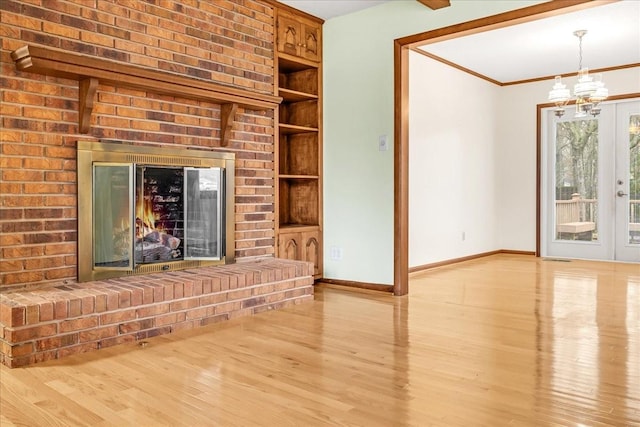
(311, 42)
(289, 34)
(298, 37)
(311, 250)
(289, 246)
(302, 246)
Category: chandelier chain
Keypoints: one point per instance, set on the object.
(580, 48)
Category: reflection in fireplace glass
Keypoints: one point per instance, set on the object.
(203, 227)
(112, 218)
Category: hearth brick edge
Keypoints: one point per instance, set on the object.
(52, 322)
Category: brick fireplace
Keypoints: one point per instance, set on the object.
(170, 54)
(149, 209)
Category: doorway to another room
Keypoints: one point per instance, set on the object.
(590, 167)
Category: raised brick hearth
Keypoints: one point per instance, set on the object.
(52, 322)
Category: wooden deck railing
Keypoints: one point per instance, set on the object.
(634, 211)
(578, 210)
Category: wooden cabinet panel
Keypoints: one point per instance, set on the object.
(299, 202)
(305, 80)
(311, 44)
(299, 154)
(288, 246)
(288, 33)
(298, 36)
(304, 246)
(312, 251)
(302, 113)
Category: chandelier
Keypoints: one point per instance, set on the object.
(589, 92)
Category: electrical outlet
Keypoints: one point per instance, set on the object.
(335, 253)
(464, 236)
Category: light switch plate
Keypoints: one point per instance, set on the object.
(383, 143)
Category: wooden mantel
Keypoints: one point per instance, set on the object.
(91, 71)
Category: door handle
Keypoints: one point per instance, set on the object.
(621, 193)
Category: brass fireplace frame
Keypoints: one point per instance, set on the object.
(90, 152)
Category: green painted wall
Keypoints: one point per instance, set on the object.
(358, 108)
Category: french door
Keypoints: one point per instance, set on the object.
(591, 184)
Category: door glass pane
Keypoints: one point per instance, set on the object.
(112, 213)
(576, 180)
(203, 234)
(634, 179)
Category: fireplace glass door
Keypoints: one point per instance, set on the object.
(112, 213)
(203, 231)
(149, 214)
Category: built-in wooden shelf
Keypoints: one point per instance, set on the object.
(291, 129)
(91, 71)
(289, 63)
(283, 176)
(289, 95)
(298, 227)
(299, 137)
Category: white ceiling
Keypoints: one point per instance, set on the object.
(541, 48)
(547, 47)
(327, 9)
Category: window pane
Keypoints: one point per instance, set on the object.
(634, 179)
(576, 180)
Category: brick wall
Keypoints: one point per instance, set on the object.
(229, 42)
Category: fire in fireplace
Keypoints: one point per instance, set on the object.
(145, 209)
(159, 213)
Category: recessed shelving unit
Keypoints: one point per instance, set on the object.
(299, 149)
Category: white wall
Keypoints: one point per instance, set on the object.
(358, 107)
(453, 208)
(482, 146)
(516, 153)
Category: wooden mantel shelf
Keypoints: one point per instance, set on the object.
(91, 71)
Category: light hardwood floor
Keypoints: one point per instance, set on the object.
(506, 340)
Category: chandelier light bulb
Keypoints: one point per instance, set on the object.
(582, 107)
(601, 93)
(585, 86)
(559, 94)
